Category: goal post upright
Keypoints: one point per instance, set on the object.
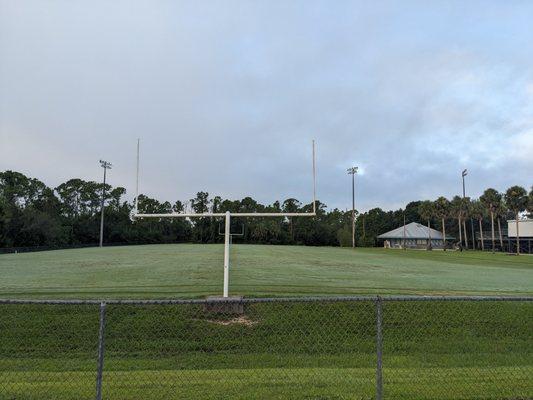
(136, 205)
(227, 216)
(314, 179)
(226, 254)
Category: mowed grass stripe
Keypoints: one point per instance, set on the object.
(187, 270)
(284, 383)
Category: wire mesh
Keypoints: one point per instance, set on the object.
(48, 351)
(272, 350)
(430, 347)
(458, 350)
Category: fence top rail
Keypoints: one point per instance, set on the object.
(316, 299)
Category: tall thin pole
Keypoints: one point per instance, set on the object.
(352, 171)
(379, 349)
(137, 179)
(102, 212)
(226, 254)
(404, 230)
(353, 210)
(105, 165)
(101, 349)
(314, 179)
(463, 174)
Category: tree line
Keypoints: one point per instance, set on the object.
(490, 207)
(33, 214)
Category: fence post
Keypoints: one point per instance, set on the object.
(101, 347)
(379, 349)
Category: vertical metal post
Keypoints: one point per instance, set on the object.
(137, 179)
(102, 211)
(463, 174)
(101, 347)
(517, 236)
(353, 210)
(105, 165)
(226, 254)
(352, 171)
(379, 350)
(314, 179)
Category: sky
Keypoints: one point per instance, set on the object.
(226, 96)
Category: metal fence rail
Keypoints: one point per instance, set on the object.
(395, 347)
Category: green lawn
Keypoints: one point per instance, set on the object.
(431, 350)
(188, 270)
(308, 351)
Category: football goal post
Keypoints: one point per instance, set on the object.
(226, 215)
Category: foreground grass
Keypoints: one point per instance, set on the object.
(184, 270)
(431, 350)
(306, 383)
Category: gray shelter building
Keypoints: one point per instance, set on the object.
(413, 236)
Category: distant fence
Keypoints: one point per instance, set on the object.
(509, 246)
(398, 347)
(29, 249)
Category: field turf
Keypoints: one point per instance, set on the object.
(431, 350)
(188, 270)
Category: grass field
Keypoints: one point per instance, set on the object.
(437, 350)
(431, 350)
(187, 270)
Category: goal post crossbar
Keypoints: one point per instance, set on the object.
(233, 214)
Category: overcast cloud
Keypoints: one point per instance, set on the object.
(227, 95)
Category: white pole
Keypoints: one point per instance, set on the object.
(226, 254)
(314, 180)
(137, 181)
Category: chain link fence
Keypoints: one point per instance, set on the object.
(297, 348)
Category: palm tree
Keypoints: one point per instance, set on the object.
(516, 200)
(442, 211)
(467, 205)
(478, 212)
(456, 208)
(499, 212)
(426, 210)
(491, 199)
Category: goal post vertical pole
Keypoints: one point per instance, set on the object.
(136, 205)
(226, 254)
(314, 179)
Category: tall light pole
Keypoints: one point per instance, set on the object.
(105, 165)
(463, 174)
(352, 171)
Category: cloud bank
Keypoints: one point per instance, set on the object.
(226, 96)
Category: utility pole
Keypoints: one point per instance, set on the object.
(463, 174)
(352, 171)
(105, 165)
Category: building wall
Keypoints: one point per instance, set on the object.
(415, 243)
(525, 228)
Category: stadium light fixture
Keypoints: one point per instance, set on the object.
(226, 215)
(105, 165)
(352, 171)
